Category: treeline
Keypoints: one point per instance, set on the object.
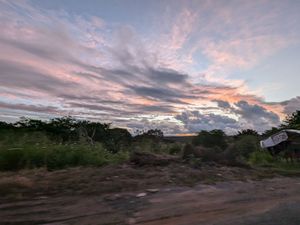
(68, 130)
(68, 142)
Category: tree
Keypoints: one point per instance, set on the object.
(150, 134)
(155, 132)
(270, 132)
(292, 121)
(118, 138)
(248, 132)
(214, 138)
(4, 125)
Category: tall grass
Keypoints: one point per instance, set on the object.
(35, 150)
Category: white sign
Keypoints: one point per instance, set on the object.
(278, 138)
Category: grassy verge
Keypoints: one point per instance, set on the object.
(279, 166)
(57, 156)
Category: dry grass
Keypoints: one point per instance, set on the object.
(15, 185)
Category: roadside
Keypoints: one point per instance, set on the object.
(117, 178)
(266, 201)
(150, 189)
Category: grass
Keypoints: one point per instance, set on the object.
(34, 151)
(279, 166)
(58, 156)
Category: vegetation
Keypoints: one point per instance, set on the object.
(214, 138)
(292, 121)
(67, 142)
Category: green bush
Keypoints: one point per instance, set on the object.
(57, 156)
(261, 158)
(245, 145)
(174, 149)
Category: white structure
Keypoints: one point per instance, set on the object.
(277, 138)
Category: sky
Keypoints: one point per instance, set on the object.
(177, 65)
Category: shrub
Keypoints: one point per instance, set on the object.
(260, 158)
(58, 156)
(174, 149)
(210, 139)
(245, 145)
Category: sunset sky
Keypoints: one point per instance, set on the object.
(180, 66)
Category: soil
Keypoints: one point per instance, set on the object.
(176, 194)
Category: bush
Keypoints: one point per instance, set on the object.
(210, 139)
(174, 149)
(245, 145)
(58, 156)
(205, 154)
(261, 158)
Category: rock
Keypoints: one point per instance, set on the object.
(140, 195)
(131, 221)
(43, 197)
(112, 197)
(152, 190)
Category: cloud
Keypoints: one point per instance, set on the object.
(59, 63)
(255, 116)
(246, 116)
(194, 121)
(222, 104)
(31, 108)
(18, 75)
(291, 105)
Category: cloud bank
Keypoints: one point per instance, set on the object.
(53, 63)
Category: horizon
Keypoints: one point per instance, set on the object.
(178, 66)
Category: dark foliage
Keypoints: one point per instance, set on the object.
(209, 139)
(247, 132)
(292, 121)
(70, 130)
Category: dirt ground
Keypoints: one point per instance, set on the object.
(176, 194)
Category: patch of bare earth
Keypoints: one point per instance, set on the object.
(129, 194)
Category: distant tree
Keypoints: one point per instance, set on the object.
(31, 124)
(271, 131)
(292, 121)
(248, 132)
(155, 133)
(152, 133)
(4, 125)
(214, 138)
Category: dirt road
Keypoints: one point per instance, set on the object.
(268, 202)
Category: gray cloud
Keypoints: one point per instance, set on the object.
(222, 104)
(17, 75)
(249, 116)
(164, 75)
(291, 105)
(194, 121)
(31, 108)
(255, 116)
(157, 93)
